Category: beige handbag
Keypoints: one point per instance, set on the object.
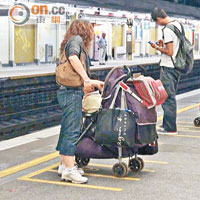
(65, 73)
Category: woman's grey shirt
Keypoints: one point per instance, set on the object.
(74, 46)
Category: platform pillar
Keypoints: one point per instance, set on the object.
(37, 50)
(11, 44)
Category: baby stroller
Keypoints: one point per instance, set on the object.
(123, 127)
(197, 120)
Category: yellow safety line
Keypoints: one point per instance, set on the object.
(112, 177)
(110, 166)
(187, 136)
(28, 177)
(148, 170)
(32, 76)
(181, 110)
(40, 171)
(183, 122)
(188, 130)
(187, 108)
(28, 164)
(42, 159)
(145, 170)
(156, 162)
(100, 165)
(193, 127)
(72, 184)
(153, 161)
(52, 170)
(104, 176)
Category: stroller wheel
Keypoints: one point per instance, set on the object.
(135, 164)
(82, 162)
(142, 163)
(197, 121)
(120, 169)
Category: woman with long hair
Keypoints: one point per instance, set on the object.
(77, 42)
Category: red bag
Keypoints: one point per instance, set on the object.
(150, 91)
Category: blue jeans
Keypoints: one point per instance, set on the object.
(170, 78)
(70, 100)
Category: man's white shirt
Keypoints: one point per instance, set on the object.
(170, 36)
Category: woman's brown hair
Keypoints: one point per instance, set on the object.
(82, 28)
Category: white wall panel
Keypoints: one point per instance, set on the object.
(47, 35)
(4, 40)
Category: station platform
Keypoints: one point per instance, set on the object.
(48, 69)
(43, 69)
(28, 166)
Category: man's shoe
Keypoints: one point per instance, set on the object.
(62, 167)
(162, 131)
(73, 176)
(161, 127)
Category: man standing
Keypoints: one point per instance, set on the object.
(168, 74)
(102, 49)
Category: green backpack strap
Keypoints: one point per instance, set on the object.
(179, 34)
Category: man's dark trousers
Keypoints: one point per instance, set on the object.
(170, 78)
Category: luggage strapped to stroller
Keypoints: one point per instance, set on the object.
(152, 92)
(119, 98)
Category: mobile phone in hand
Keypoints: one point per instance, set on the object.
(151, 42)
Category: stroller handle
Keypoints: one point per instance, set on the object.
(128, 73)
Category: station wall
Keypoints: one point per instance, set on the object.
(25, 45)
(117, 34)
(47, 36)
(4, 40)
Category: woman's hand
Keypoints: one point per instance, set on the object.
(88, 86)
(98, 84)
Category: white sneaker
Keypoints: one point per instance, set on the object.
(73, 176)
(162, 131)
(80, 170)
(62, 167)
